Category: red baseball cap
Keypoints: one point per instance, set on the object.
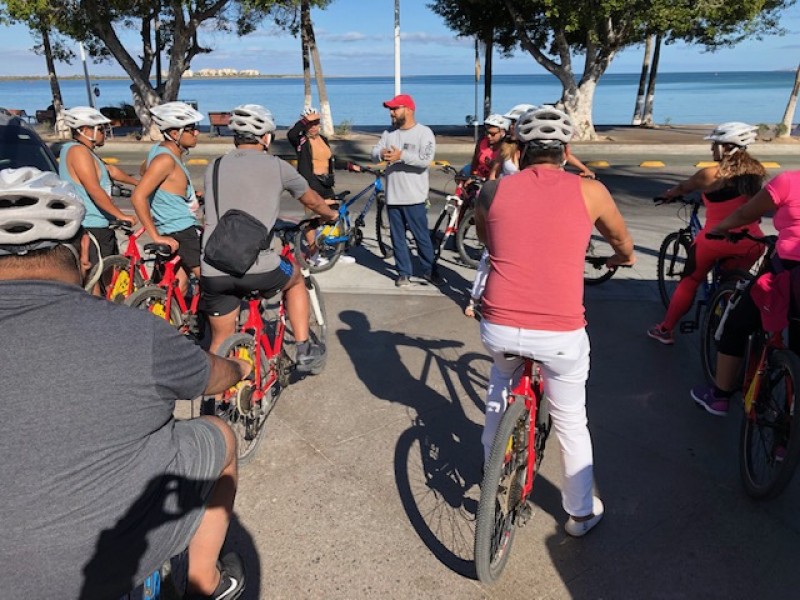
(401, 100)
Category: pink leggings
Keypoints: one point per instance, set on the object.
(702, 256)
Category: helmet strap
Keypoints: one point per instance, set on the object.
(182, 149)
(92, 139)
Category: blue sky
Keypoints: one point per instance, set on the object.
(355, 37)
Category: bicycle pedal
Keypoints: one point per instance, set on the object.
(688, 327)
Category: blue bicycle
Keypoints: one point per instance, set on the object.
(331, 239)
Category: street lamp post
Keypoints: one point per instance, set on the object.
(396, 47)
(86, 75)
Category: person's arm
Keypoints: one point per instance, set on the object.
(427, 150)
(585, 171)
(750, 211)
(609, 222)
(482, 205)
(82, 162)
(118, 174)
(296, 132)
(225, 372)
(156, 174)
(701, 180)
(314, 202)
(377, 150)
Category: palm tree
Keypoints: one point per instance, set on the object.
(307, 34)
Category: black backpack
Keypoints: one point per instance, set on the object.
(238, 238)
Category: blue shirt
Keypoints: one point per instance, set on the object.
(95, 217)
(171, 212)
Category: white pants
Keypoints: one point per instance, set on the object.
(564, 357)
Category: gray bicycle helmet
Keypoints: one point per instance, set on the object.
(253, 119)
(547, 127)
(37, 210)
(734, 132)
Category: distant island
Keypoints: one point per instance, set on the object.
(202, 73)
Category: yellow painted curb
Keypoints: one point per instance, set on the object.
(111, 160)
(651, 164)
(770, 165)
(706, 163)
(197, 161)
(598, 164)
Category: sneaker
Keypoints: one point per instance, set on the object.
(779, 452)
(310, 358)
(433, 278)
(705, 398)
(346, 259)
(318, 261)
(402, 281)
(231, 579)
(658, 333)
(581, 528)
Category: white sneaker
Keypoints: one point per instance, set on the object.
(581, 528)
(346, 259)
(318, 261)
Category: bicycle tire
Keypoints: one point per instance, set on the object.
(382, 225)
(318, 322)
(153, 299)
(711, 318)
(503, 479)
(672, 257)
(438, 234)
(770, 440)
(330, 252)
(248, 425)
(594, 274)
(116, 271)
(469, 246)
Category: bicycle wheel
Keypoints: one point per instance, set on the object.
(770, 437)
(711, 319)
(153, 299)
(328, 252)
(438, 234)
(245, 416)
(501, 501)
(595, 270)
(317, 321)
(469, 246)
(672, 257)
(382, 225)
(115, 279)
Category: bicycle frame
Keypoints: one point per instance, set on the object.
(255, 326)
(169, 281)
(529, 390)
(344, 214)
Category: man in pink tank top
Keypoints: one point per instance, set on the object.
(533, 302)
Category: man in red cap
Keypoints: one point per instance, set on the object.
(408, 149)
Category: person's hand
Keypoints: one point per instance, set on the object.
(391, 155)
(167, 241)
(620, 261)
(311, 117)
(245, 368)
(354, 168)
(588, 173)
(129, 219)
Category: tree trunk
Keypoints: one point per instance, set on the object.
(647, 117)
(487, 78)
(305, 16)
(638, 110)
(788, 116)
(577, 101)
(61, 128)
(324, 104)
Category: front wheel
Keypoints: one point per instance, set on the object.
(673, 257)
(595, 270)
(770, 437)
(501, 493)
(153, 299)
(469, 246)
(114, 281)
(382, 225)
(439, 234)
(323, 252)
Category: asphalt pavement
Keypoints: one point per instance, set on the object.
(367, 483)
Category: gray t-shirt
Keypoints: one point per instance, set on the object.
(88, 391)
(407, 179)
(252, 181)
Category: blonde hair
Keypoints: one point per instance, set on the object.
(738, 169)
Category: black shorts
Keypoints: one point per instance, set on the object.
(222, 295)
(188, 245)
(106, 238)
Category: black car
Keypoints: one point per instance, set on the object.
(21, 146)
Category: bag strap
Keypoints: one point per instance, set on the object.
(215, 185)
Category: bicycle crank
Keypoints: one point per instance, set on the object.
(244, 397)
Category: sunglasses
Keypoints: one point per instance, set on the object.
(190, 128)
(312, 123)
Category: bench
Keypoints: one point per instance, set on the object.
(20, 112)
(218, 120)
(47, 117)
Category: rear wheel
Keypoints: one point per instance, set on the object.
(326, 251)
(382, 225)
(153, 299)
(770, 438)
(595, 270)
(501, 493)
(115, 281)
(469, 246)
(672, 258)
(238, 408)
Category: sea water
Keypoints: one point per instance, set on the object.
(681, 98)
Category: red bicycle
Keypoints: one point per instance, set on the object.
(514, 460)
(120, 275)
(265, 339)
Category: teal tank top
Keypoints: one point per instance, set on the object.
(172, 213)
(94, 216)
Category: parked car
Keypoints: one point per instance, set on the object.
(21, 146)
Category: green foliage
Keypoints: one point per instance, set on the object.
(781, 129)
(344, 128)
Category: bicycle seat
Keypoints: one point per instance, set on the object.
(341, 196)
(159, 249)
(283, 225)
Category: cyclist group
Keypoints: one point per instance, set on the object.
(183, 474)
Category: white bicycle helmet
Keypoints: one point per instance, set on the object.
(309, 110)
(518, 110)
(735, 132)
(545, 127)
(253, 119)
(174, 115)
(497, 121)
(84, 116)
(37, 210)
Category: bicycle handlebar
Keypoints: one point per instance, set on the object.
(659, 200)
